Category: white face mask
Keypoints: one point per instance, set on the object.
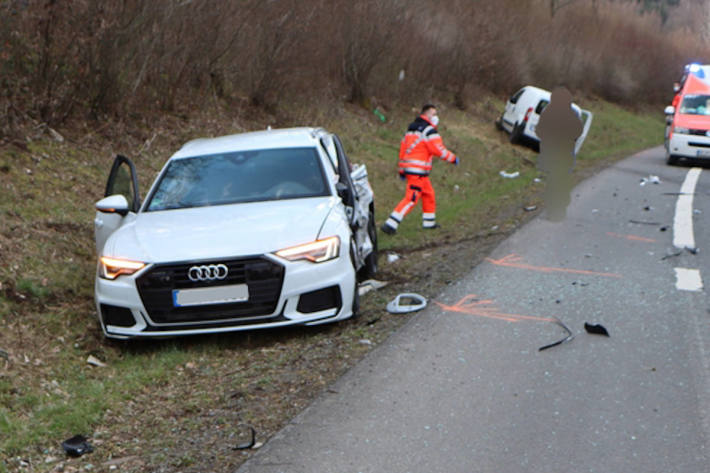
(435, 120)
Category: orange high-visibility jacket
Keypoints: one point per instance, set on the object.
(419, 145)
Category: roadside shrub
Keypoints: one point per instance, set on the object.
(64, 59)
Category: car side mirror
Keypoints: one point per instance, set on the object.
(113, 204)
(669, 110)
(344, 193)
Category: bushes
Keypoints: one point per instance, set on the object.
(83, 58)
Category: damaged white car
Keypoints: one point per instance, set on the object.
(255, 230)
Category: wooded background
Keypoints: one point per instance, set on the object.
(61, 59)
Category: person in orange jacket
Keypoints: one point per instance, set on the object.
(416, 152)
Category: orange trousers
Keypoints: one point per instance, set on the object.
(418, 187)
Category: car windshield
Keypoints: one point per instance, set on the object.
(242, 176)
(695, 105)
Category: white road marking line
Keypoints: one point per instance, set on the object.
(683, 220)
(688, 279)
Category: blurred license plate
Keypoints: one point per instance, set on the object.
(211, 295)
(703, 153)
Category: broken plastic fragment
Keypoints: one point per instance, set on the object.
(509, 175)
(77, 446)
(370, 285)
(250, 443)
(530, 208)
(417, 302)
(596, 329)
(569, 336)
(392, 257)
(92, 360)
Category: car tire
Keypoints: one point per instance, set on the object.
(516, 135)
(369, 270)
(671, 160)
(356, 294)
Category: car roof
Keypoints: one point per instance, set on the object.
(538, 90)
(546, 95)
(264, 139)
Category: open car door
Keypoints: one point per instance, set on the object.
(587, 119)
(121, 199)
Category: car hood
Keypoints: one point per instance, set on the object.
(697, 122)
(220, 231)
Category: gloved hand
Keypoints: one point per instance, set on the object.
(456, 162)
(402, 176)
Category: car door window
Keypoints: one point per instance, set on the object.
(344, 177)
(122, 180)
(541, 106)
(330, 150)
(516, 96)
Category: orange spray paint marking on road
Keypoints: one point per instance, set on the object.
(515, 261)
(471, 305)
(632, 237)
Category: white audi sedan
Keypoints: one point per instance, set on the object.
(247, 231)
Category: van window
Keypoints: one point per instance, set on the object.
(541, 106)
(695, 104)
(516, 96)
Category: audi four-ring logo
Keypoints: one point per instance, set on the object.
(207, 272)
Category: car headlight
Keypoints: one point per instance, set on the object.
(681, 130)
(111, 268)
(316, 252)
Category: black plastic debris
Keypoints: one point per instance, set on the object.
(663, 228)
(569, 336)
(641, 222)
(77, 446)
(648, 208)
(596, 329)
(250, 443)
(671, 255)
(693, 251)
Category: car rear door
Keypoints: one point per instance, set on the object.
(122, 180)
(510, 107)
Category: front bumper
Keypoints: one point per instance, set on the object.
(689, 146)
(307, 293)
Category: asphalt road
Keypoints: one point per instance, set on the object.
(463, 387)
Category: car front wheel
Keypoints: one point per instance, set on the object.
(369, 270)
(356, 294)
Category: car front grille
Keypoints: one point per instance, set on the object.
(263, 277)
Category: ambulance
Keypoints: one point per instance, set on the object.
(688, 132)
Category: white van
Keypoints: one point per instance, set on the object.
(522, 113)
